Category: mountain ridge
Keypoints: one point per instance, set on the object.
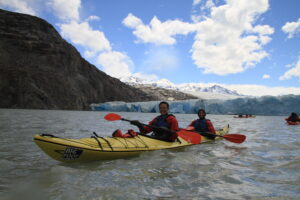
(190, 88)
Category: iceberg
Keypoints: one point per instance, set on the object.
(266, 105)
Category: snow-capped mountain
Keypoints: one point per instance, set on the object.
(162, 83)
(218, 89)
(197, 89)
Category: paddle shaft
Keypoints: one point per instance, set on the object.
(151, 126)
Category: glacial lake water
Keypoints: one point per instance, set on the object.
(265, 166)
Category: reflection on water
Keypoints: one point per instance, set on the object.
(265, 166)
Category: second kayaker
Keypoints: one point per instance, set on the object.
(164, 121)
(293, 118)
(202, 125)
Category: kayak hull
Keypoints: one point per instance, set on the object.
(292, 123)
(100, 148)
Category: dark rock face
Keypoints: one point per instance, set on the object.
(38, 69)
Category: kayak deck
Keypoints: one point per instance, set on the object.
(103, 148)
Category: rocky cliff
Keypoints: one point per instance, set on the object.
(39, 69)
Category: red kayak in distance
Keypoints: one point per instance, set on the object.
(244, 116)
(292, 123)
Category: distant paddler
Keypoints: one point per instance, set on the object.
(293, 118)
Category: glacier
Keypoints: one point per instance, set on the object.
(265, 105)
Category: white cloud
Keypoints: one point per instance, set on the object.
(263, 32)
(18, 6)
(196, 18)
(289, 65)
(115, 63)
(132, 21)
(89, 54)
(93, 18)
(226, 41)
(263, 29)
(196, 2)
(209, 4)
(83, 34)
(157, 32)
(295, 71)
(146, 77)
(266, 76)
(291, 28)
(66, 9)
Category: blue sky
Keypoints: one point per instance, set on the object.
(249, 46)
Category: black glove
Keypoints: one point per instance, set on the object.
(136, 123)
(163, 129)
(208, 135)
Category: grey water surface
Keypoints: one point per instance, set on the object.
(265, 166)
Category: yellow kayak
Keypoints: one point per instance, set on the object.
(103, 148)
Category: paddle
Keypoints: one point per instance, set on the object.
(235, 138)
(191, 137)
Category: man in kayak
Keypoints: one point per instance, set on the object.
(167, 123)
(293, 118)
(203, 125)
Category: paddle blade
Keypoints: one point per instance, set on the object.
(190, 136)
(236, 138)
(112, 117)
